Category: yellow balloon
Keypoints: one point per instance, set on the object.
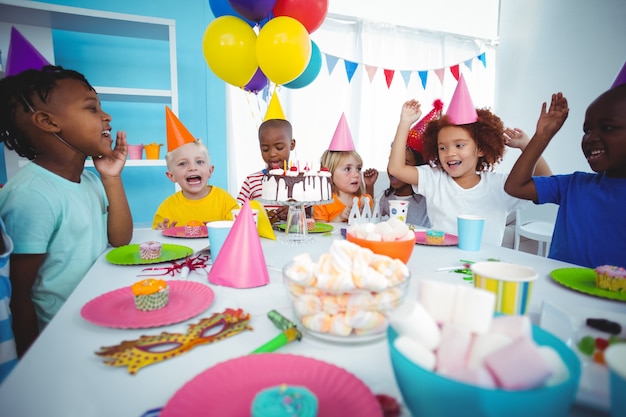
(283, 49)
(229, 47)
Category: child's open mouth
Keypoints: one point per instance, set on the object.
(194, 180)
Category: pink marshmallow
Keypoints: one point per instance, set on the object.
(483, 345)
(519, 365)
(513, 327)
(438, 298)
(452, 352)
(477, 376)
(474, 309)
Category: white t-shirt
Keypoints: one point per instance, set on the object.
(445, 200)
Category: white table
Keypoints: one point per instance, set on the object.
(61, 376)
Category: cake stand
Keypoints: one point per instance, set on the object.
(296, 232)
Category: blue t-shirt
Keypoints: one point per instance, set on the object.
(47, 214)
(590, 228)
(8, 354)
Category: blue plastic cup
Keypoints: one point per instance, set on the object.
(218, 231)
(615, 357)
(470, 230)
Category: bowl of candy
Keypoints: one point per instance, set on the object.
(347, 294)
(392, 238)
(451, 356)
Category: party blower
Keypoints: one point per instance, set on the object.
(289, 333)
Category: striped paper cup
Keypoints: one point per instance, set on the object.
(511, 283)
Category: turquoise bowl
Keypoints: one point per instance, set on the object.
(427, 393)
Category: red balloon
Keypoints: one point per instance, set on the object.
(311, 13)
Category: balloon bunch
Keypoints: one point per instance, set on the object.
(281, 52)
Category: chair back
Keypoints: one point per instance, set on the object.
(536, 213)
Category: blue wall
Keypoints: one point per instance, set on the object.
(112, 61)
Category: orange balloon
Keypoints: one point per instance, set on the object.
(229, 47)
(283, 49)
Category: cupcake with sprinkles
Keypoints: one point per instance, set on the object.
(150, 294)
(284, 401)
(610, 277)
(150, 250)
(435, 237)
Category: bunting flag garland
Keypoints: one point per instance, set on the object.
(371, 70)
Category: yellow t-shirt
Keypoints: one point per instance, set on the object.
(327, 212)
(217, 205)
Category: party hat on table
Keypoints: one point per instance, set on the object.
(264, 226)
(241, 263)
(621, 77)
(22, 55)
(461, 110)
(342, 139)
(415, 139)
(274, 109)
(177, 133)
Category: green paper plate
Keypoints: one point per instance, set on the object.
(319, 227)
(584, 280)
(129, 254)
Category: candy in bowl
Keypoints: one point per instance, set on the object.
(392, 238)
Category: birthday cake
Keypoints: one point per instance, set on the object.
(296, 185)
(284, 400)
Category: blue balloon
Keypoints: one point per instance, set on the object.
(223, 8)
(311, 71)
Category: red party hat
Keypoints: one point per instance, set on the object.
(177, 133)
(342, 139)
(241, 263)
(621, 77)
(23, 55)
(461, 110)
(415, 138)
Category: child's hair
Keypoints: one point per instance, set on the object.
(487, 132)
(19, 90)
(332, 159)
(419, 160)
(277, 124)
(201, 147)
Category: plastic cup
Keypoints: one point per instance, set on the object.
(511, 283)
(135, 151)
(217, 232)
(470, 231)
(398, 209)
(255, 214)
(615, 357)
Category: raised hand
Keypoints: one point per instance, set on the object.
(515, 138)
(550, 121)
(411, 111)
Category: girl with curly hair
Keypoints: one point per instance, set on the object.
(462, 153)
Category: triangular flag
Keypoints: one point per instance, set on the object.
(483, 59)
(371, 72)
(440, 73)
(274, 109)
(389, 76)
(241, 263)
(424, 77)
(350, 69)
(415, 138)
(22, 55)
(406, 75)
(263, 224)
(468, 63)
(621, 77)
(177, 133)
(342, 139)
(461, 110)
(331, 61)
(454, 69)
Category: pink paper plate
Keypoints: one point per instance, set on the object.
(228, 388)
(448, 239)
(180, 232)
(117, 308)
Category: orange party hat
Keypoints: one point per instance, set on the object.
(342, 139)
(23, 55)
(274, 109)
(415, 139)
(241, 263)
(461, 110)
(177, 133)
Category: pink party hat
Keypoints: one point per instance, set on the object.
(23, 55)
(241, 263)
(461, 110)
(621, 77)
(415, 138)
(274, 109)
(177, 133)
(342, 139)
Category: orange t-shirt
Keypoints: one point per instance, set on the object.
(327, 212)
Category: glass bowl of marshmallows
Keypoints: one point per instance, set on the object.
(347, 294)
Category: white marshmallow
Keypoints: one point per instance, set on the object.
(415, 352)
(512, 326)
(438, 298)
(474, 308)
(412, 320)
(560, 373)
